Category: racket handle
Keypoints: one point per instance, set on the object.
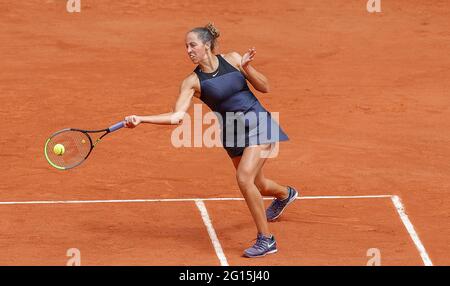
(116, 126)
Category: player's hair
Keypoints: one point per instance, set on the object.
(208, 34)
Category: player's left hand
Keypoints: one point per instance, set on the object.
(132, 121)
(248, 57)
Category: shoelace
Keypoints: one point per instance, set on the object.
(278, 204)
(260, 243)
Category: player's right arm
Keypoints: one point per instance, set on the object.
(188, 88)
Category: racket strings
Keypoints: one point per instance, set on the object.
(76, 145)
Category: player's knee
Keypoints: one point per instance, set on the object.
(244, 179)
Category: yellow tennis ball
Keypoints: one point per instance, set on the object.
(59, 149)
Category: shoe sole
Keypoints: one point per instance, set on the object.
(262, 255)
(288, 203)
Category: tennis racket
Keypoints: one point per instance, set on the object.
(68, 148)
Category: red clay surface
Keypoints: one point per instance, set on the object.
(105, 234)
(363, 97)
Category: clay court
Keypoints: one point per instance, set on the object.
(364, 98)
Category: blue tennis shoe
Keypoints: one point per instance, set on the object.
(277, 206)
(264, 245)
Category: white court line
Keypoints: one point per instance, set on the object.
(178, 200)
(412, 233)
(343, 197)
(212, 233)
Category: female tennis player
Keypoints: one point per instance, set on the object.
(220, 81)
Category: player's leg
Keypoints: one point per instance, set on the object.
(270, 188)
(266, 186)
(283, 195)
(248, 167)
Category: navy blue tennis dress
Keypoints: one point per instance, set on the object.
(243, 120)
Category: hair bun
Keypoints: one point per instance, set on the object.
(213, 30)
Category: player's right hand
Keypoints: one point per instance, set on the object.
(132, 121)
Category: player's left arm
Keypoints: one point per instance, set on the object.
(257, 79)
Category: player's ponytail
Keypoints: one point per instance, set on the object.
(213, 30)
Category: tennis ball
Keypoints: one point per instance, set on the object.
(59, 149)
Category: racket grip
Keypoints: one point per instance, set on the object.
(116, 126)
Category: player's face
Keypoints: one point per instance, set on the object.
(195, 49)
